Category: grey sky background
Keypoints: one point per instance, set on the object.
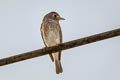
(20, 22)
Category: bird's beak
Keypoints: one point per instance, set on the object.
(60, 18)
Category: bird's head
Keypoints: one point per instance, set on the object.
(53, 16)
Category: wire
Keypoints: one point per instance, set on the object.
(59, 47)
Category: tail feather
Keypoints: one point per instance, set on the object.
(58, 67)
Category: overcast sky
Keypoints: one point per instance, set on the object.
(20, 22)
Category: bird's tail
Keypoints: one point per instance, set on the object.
(58, 66)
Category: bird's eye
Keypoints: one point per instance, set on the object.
(55, 16)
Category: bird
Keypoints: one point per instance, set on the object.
(52, 35)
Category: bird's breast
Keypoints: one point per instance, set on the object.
(52, 33)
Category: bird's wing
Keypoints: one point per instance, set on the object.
(42, 34)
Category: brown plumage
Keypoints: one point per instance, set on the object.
(52, 35)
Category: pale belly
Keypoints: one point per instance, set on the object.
(53, 38)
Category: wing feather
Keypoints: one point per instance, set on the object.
(42, 34)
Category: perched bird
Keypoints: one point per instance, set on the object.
(52, 35)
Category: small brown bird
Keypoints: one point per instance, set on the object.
(52, 35)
